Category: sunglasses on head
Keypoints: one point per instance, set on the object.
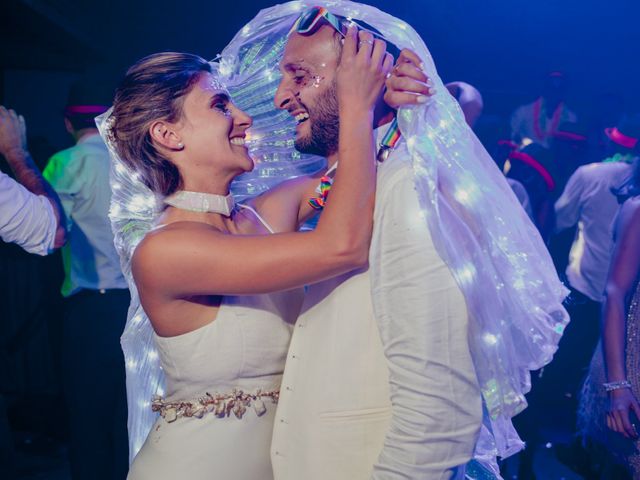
(310, 20)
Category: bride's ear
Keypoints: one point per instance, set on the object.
(165, 135)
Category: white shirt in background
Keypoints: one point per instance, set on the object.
(26, 219)
(588, 202)
(80, 176)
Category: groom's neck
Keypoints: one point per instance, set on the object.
(382, 116)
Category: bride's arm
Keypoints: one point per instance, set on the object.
(285, 207)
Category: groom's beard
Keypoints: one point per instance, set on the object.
(325, 125)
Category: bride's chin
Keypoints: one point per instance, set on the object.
(244, 164)
(251, 164)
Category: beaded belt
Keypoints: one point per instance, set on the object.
(220, 405)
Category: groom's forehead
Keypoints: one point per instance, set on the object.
(317, 48)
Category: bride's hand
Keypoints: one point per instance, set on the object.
(621, 403)
(408, 84)
(363, 67)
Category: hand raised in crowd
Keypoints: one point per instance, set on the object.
(408, 84)
(13, 145)
(363, 67)
(13, 132)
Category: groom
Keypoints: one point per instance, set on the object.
(373, 387)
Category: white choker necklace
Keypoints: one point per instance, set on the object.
(202, 202)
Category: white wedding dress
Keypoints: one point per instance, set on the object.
(244, 348)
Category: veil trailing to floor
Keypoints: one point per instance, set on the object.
(496, 255)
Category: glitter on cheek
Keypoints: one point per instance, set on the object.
(317, 79)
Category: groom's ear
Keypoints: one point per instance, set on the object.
(163, 134)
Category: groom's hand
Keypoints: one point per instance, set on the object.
(408, 84)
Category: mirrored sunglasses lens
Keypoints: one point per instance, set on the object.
(307, 20)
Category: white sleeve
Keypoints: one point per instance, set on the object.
(26, 219)
(422, 317)
(569, 206)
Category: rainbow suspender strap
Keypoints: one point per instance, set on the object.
(389, 140)
(388, 143)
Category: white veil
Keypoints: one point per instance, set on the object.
(495, 253)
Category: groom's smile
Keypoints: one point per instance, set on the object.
(308, 91)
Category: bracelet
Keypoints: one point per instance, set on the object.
(611, 386)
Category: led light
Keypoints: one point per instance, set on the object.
(490, 339)
(466, 273)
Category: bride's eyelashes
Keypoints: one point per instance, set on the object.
(221, 102)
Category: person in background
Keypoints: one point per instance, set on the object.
(570, 149)
(31, 217)
(534, 168)
(608, 111)
(609, 408)
(588, 201)
(536, 122)
(96, 296)
(31, 214)
(589, 204)
(469, 99)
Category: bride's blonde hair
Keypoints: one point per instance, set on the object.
(153, 89)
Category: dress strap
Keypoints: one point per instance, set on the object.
(262, 220)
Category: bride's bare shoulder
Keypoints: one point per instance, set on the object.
(164, 245)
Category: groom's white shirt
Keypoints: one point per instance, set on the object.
(381, 385)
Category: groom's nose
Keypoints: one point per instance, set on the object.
(283, 96)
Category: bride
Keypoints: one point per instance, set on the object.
(206, 272)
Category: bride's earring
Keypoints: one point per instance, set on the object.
(180, 146)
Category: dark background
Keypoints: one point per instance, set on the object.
(503, 47)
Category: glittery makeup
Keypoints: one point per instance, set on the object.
(316, 81)
(215, 84)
